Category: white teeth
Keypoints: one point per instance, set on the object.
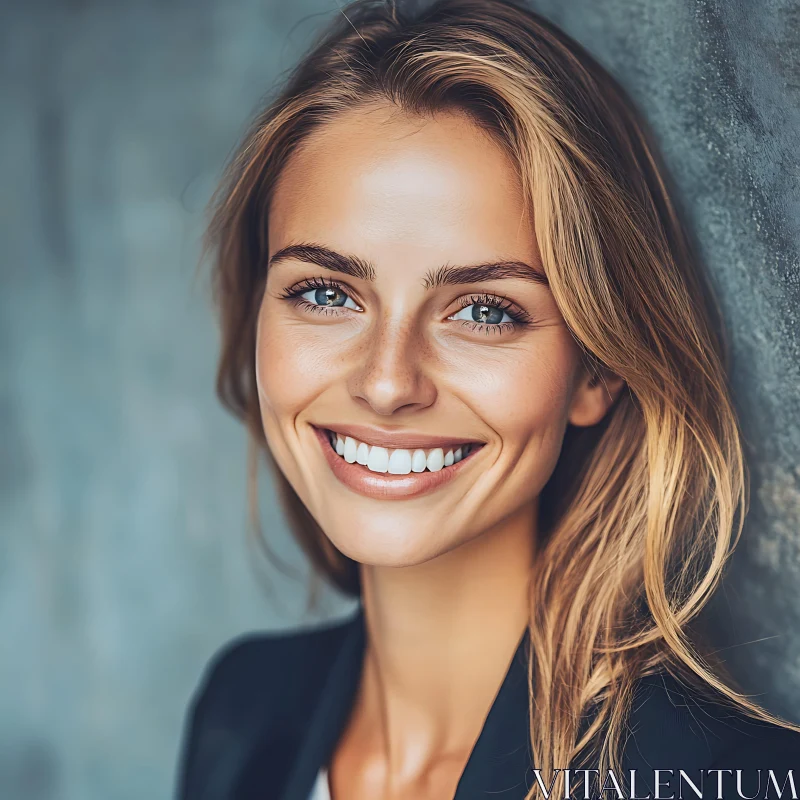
(378, 460)
(396, 462)
(400, 462)
(436, 459)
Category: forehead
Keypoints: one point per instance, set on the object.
(384, 185)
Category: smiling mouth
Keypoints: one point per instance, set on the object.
(388, 473)
(398, 461)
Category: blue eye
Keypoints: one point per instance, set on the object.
(483, 313)
(329, 296)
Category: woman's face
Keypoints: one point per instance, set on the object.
(414, 372)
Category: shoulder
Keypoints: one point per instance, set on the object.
(256, 681)
(270, 668)
(677, 726)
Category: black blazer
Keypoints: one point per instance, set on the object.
(271, 707)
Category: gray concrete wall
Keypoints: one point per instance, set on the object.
(122, 506)
(719, 82)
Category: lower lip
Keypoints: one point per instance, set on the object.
(382, 485)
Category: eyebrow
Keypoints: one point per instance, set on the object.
(442, 276)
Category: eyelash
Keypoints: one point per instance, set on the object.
(521, 319)
(294, 293)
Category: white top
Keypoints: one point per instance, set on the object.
(321, 789)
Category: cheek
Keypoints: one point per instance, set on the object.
(524, 392)
(295, 362)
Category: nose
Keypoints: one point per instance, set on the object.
(390, 377)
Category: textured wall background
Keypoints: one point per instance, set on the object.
(122, 502)
(720, 84)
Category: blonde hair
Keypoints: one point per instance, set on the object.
(643, 510)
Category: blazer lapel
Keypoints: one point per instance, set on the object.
(331, 713)
(500, 765)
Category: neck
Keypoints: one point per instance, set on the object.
(440, 639)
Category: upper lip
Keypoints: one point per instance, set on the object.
(396, 438)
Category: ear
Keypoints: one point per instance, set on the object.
(595, 392)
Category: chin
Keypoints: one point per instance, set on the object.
(390, 540)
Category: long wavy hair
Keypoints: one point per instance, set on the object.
(642, 511)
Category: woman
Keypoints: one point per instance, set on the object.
(462, 319)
